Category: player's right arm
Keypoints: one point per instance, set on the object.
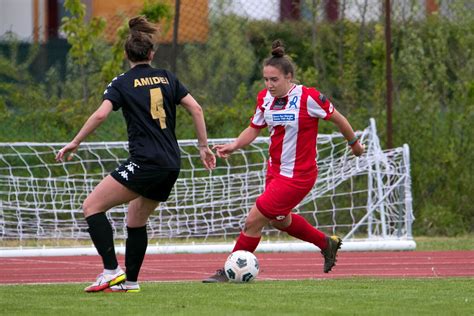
(94, 121)
(193, 107)
(247, 136)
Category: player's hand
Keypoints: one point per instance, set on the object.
(358, 149)
(69, 148)
(224, 150)
(207, 157)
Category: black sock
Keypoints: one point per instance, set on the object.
(135, 250)
(102, 236)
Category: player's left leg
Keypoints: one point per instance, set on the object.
(298, 227)
(287, 194)
(301, 229)
(106, 195)
(283, 195)
(334, 243)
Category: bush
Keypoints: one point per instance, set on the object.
(433, 110)
(440, 220)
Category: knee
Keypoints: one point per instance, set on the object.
(282, 224)
(249, 223)
(278, 225)
(88, 208)
(253, 227)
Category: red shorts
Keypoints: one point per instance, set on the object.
(282, 194)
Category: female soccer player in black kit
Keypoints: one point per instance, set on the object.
(148, 99)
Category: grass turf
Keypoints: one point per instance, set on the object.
(424, 243)
(355, 296)
(464, 242)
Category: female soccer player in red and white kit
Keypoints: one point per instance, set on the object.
(292, 114)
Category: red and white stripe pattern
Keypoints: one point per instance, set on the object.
(293, 124)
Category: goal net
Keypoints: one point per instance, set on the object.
(366, 199)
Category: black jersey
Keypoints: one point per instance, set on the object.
(148, 99)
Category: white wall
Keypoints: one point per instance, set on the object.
(255, 10)
(17, 16)
(355, 10)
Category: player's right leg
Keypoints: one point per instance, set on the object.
(124, 287)
(139, 211)
(106, 195)
(248, 240)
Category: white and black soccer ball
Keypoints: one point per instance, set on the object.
(241, 266)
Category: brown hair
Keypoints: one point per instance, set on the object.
(280, 60)
(141, 39)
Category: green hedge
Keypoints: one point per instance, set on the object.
(433, 108)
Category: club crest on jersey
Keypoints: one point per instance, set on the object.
(289, 117)
(279, 103)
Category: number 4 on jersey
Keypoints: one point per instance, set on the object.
(156, 106)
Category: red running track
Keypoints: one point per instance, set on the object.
(274, 266)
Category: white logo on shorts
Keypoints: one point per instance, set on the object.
(124, 174)
(131, 167)
(280, 217)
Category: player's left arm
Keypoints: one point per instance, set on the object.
(193, 107)
(346, 129)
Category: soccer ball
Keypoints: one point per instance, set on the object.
(241, 266)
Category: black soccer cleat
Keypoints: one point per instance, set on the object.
(334, 244)
(218, 277)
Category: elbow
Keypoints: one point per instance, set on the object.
(100, 117)
(197, 111)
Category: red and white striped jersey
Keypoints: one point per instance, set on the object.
(293, 124)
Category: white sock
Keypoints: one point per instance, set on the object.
(114, 271)
(131, 283)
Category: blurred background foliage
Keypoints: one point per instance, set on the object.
(433, 67)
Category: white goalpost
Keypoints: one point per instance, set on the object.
(366, 200)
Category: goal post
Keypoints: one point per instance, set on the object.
(366, 200)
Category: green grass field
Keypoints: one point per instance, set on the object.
(356, 296)
(464, 242)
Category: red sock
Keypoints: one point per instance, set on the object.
(245, 242)
(301, 229)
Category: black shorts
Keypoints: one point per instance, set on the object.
(149, 182)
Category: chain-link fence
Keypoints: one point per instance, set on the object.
(217, 47)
